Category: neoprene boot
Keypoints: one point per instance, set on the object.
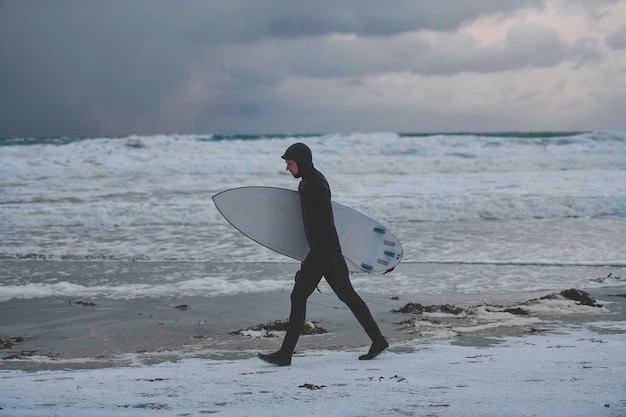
(277, 358)
(376, 349)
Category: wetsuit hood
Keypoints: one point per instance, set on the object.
(301, 155)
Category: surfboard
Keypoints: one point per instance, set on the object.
(272, 217)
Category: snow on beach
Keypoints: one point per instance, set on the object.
(575, 372)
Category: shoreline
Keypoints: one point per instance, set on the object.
(65, 333)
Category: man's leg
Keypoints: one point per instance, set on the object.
(338, 278)
(307, 280)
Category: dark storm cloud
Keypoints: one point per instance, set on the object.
(526, 45)
(87, 67)
(245, 20)
(63, 59)
(286, 18)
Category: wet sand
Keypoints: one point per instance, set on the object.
(65, 332)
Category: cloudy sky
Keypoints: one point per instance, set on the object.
(121, 67)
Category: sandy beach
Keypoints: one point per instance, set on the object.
(534, 354)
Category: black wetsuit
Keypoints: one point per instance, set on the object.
(324, 257)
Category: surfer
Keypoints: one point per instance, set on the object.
(324, 259)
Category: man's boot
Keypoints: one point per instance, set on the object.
(376, 349)
(277, 358)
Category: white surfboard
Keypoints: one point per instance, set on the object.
(272, 217)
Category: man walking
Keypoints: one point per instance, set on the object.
(324, 259)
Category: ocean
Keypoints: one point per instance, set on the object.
(467, 202)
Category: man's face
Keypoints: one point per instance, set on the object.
(292, 167)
